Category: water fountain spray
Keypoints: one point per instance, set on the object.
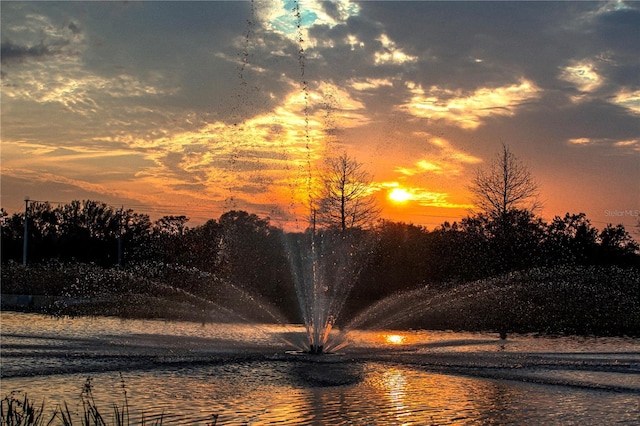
(325, 264)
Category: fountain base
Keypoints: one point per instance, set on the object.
(316, 349)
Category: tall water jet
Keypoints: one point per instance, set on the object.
(325, 265)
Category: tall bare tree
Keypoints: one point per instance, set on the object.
(345, 200)
(504, 185)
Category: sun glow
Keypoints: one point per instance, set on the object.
(394, 339)
(399, 195)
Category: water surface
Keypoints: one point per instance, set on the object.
(244, 374)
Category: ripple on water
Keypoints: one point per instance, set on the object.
(263, 393)
(189, 373)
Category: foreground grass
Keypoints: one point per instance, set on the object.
(16, 409)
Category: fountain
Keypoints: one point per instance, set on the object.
(242, 371)
(325, 266)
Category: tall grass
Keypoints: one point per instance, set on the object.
(16, 409)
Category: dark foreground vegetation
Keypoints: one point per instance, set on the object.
(16, 409)
(592, 300)
(514, 271)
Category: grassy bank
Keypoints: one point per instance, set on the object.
(594, 300)
(152, 290)
(601, 301)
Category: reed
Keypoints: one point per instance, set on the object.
(16, 409)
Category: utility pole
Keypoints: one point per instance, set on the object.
(120, 218)
(26, 231)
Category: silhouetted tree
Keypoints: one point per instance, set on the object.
(398, 261)
(12, 235)
(85, 231)
(617, 246)
(251, 255)
(44, 231)
(572, 239)
(136, 236)
(241, 247)
(88, 232)
(168, 239)
(505, 185)
(460, 252)
(242, 235)
(345, 200)
(516, 240)
(245, 250)
(498, 244)
(204, 245)
(171, 225)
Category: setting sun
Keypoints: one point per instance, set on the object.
(399, 195)
(394, 339)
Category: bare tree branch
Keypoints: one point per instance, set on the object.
(345, 200)
(505, 185)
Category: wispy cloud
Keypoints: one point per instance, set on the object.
(583, 75)
(629, 99)
(445, 160)
(467, 110)
(390, 53)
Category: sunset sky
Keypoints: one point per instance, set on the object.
(196, 108)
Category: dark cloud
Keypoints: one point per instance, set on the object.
(511, 39)
(30, 34)
(75, 29)
(167, 36)
(620, 28)
(11, 52)
(331, 9)
(254, 188)
(195, 187)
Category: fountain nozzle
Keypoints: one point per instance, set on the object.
(316, 349)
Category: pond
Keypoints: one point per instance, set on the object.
(191, 373)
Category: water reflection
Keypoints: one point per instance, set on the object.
(395, 382)
(261, 394)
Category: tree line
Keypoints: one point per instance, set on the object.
(239, 247)
(246, 249)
